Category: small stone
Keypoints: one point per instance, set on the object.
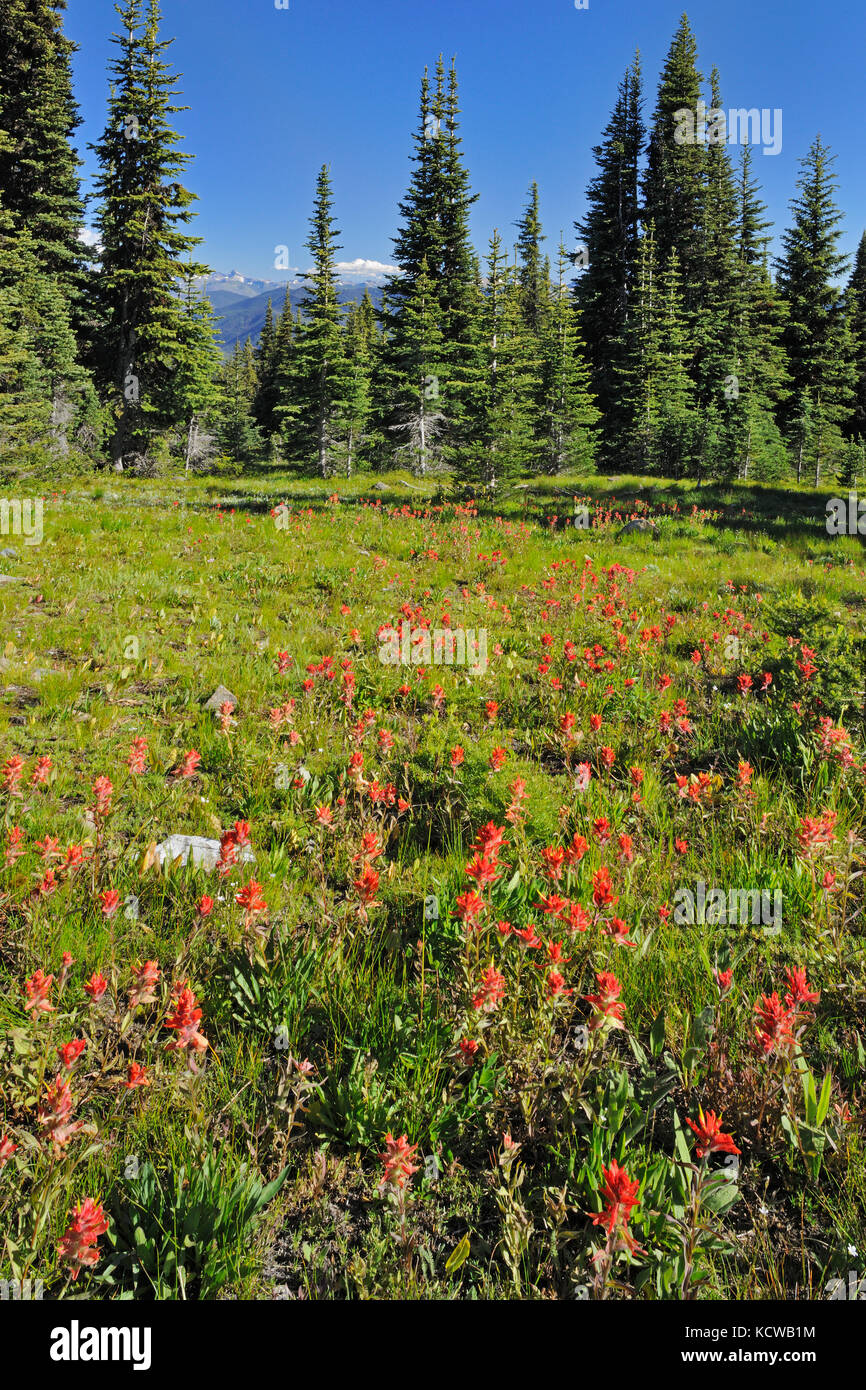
(204, 853)
(221, 696)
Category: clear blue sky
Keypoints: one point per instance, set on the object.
(275, 93)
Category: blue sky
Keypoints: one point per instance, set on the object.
(275, 93)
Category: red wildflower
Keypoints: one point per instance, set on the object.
(70, 1052)
(137, 755)
(38, 989)
(708, 1132)
(397, 1159)
(492, 990)
(185, 1020)
(608, 1011)
(78, 1245)
(620, 1195)
(366, 885)
(145, 980)
(103, 791)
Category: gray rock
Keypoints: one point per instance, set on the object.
(220, 696)
(8, 554)
(10, 579)
(379, 487)
(204, 853)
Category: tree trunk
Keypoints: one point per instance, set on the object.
(191, 440)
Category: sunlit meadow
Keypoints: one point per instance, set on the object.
(457, 1004)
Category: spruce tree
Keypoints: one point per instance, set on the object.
(817, 333)
(674, 180)
(236, 429)
(503, 443)
(855, 301)
(433, 243)
(657, 388)
(757, 379)
(533, 275)
(138, 315)
(320, 375)
(38, 120)
(609, 235)
(359, 337)
(265, 358)
(195, 379)
(569, 415)
(416, 381)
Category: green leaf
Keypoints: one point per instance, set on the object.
(459, 1255)
(824, 1099)
(657, 1034)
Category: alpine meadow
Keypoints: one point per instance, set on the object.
(432, 689)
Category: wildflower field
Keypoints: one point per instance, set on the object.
(537, 975)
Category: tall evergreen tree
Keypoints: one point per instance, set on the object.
(416, 380)
(359, 337)
(195, 380)
(656, 384)
(817, 333)
(533, 276)
(41, 383)
(503, 440)
(610, 234)
(757, 379)
(143, 209)
(320, 376)
(855, 299)
(433, 243)
(236, 429)
(265, 358)
(38, 120)
(569, 415)
(675, 176)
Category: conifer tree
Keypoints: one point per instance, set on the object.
(674, 181)
(508, 368)
(41, 383)
(533, 275)
(433, 242)
(855, 300)
(569, 415)
(195, 380)
(38, 120)
(817, 333)
(236, 429)
(266, 369)
(359, 336)
(143, 209)
(416, 381)
(320, 377)
(757, 379)
(609, 238)
(656, 383)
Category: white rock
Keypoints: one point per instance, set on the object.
(222, 695)
(204, 853)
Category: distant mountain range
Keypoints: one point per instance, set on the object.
(240, 303)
